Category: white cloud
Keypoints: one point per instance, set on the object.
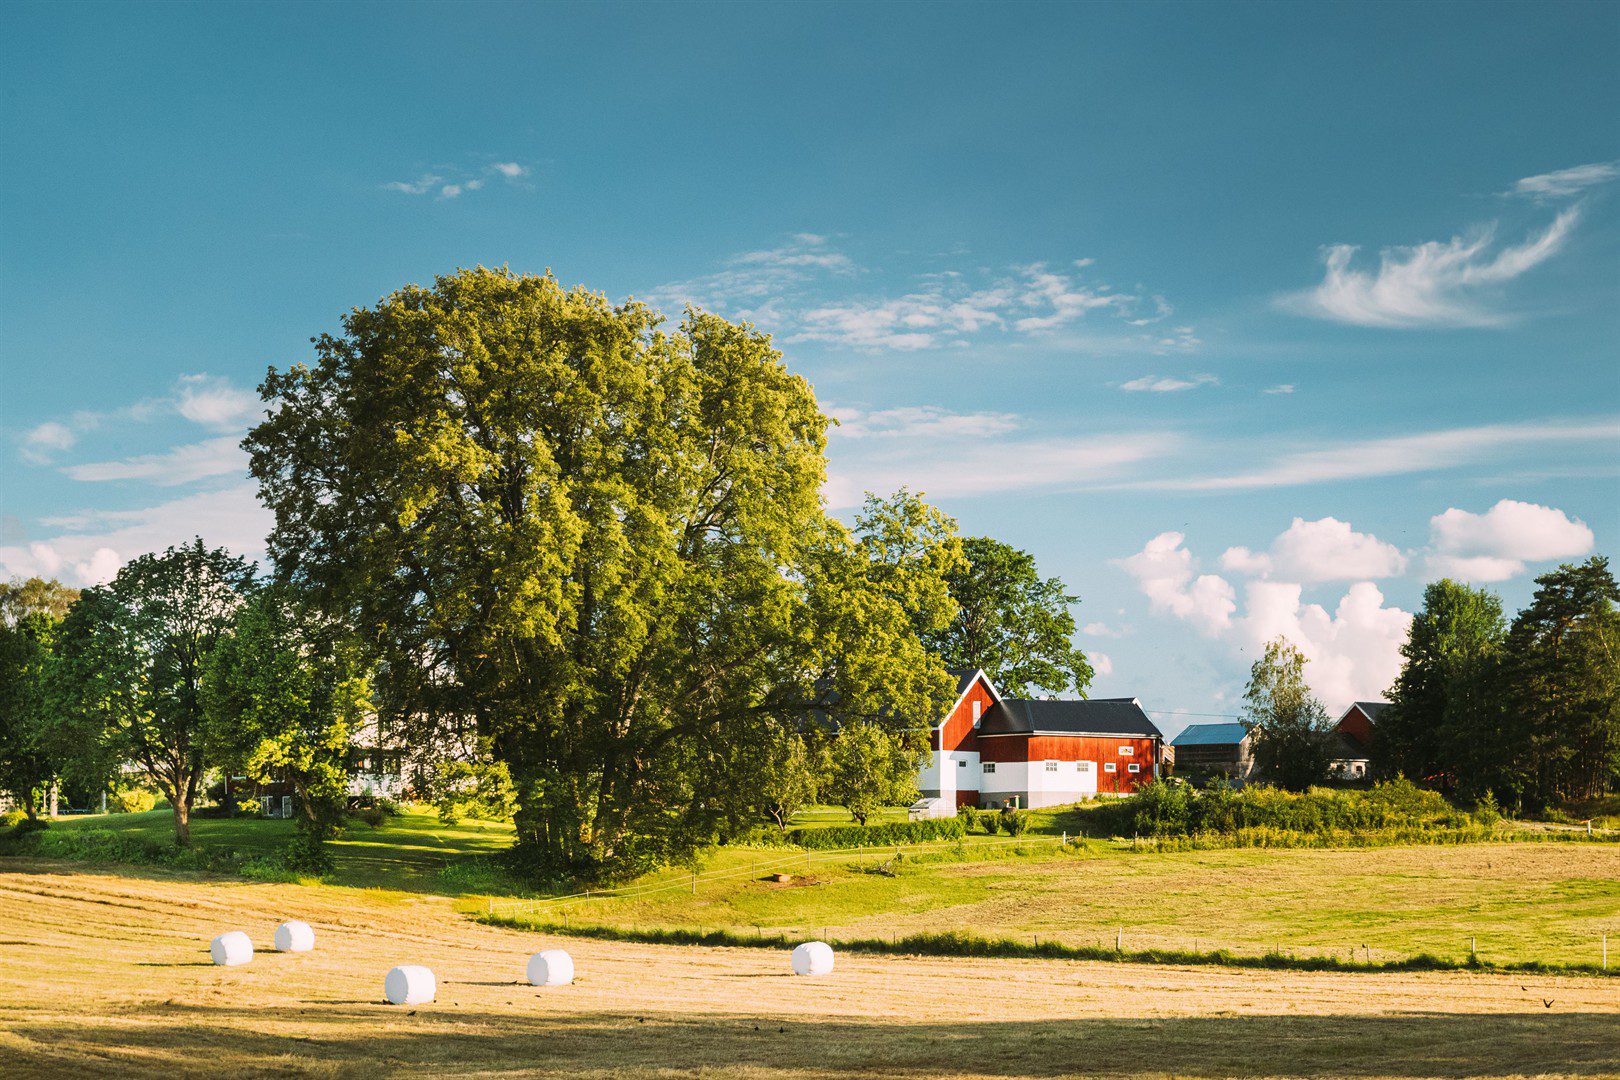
(1324, 550)
(1396, 456)
(1280, 388)
(96, 543)
(214, 402)
(420, 186)
(1101, 663)
(1354, 652)
(1166, 573)
(40, 443)
(1432, 284)
(921, 421)
(1496, 545)
(179, 465)
(452, 181)
(944, 454)
(1168, 384)
(1102, 629)
(1566, 182)
(510, 169)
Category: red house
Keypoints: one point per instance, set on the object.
(992, 751)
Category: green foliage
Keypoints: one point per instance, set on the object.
(789, 777)
(869, 766)
(1288, 726)
(12, 818)
(131, 800)
(1014, 822)
(1012, 623)
(894, 832)
(35, 596)
(1163, 809)
(472, 789)
(29, 731)
(602, 538)
(285, 694)
(133, 660)
(1432, 728)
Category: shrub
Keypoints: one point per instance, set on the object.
(370, 815)
(1014, 822)
(12, 818)
(1171, 810)
(131, 800)
(898, 832)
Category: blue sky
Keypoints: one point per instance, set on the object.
(1244, 319)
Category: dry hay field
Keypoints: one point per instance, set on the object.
(107, 974)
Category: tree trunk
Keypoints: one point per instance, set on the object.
(182, 820)
(30, 805)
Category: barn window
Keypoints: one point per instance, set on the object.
(961, 764)
(1127, 751)
(989, 766)
(1051, 766)
(1133, 767)
(978, 706)
(1109, 766)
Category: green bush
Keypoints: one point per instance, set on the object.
(12, 818)
(1167, 810)
(1014, 822)
(896, 832)
(131, 800)
(370, 815)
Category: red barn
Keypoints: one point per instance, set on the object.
(992, 751)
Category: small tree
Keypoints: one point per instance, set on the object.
(788, 778)
(868, 768)
(286, 693)
(134, 657)
(1288, 725)
(26, 765)
(472, 789)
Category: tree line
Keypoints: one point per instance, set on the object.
(595, 546)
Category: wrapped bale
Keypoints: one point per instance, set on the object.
(410, 984)
(295, 936)
(813, 958)
(553, 967)
(229, 950)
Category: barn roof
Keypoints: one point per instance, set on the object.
(1211, 735)
(1098, 716)
(1372, 708)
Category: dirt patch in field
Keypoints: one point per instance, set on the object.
(109, 974)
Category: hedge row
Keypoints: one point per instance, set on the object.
(895, 832)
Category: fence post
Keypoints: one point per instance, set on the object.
(694, 883)
(1605, 952)
(1119, 940)
(1473, 949)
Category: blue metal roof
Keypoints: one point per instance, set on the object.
(1210, 735)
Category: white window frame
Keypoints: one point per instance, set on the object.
(1127, 751)
(1109, 766)
(978, 707)
(989, 766)
(1133, 767)
(1051, 766)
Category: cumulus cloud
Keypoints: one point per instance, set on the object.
(510, 169)
(1354, 651)
(1496, 545)
(1564, 183)
(179, 465)
(1166, 572)
(1101, 663)
(1450, 283)
(1168, 384)
(1324, 550)
(92, 545)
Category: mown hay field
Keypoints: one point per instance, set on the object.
(107, 974)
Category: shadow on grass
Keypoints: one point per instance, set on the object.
(343, 1038)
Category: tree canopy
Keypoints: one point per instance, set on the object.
(600, 541)
(1288, 724)
(1011, 622)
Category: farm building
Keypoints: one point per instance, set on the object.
(1214, 748)
(1351, 738)
(994, 752)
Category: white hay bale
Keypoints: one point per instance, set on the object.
(813, 958)
(231, 949)
(410, 984)
(554, 967)
(295, 936)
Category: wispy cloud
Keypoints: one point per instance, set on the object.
(40, 444)
(920, 421)
(1280, 388)
(802, 291)
(179, 465)
(1565, 183)
(1395, 456)
(453, 181)
(215, 402)
(1450, 283)
(1169, 384)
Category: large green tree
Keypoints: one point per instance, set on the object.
(32, 740)
(1011, 622)
(285, 693)
(1439, 726)
(1287, 723)
(1560, 687)
(133, 658)
(600, 542)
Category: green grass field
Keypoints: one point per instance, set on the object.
(1550, 902)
